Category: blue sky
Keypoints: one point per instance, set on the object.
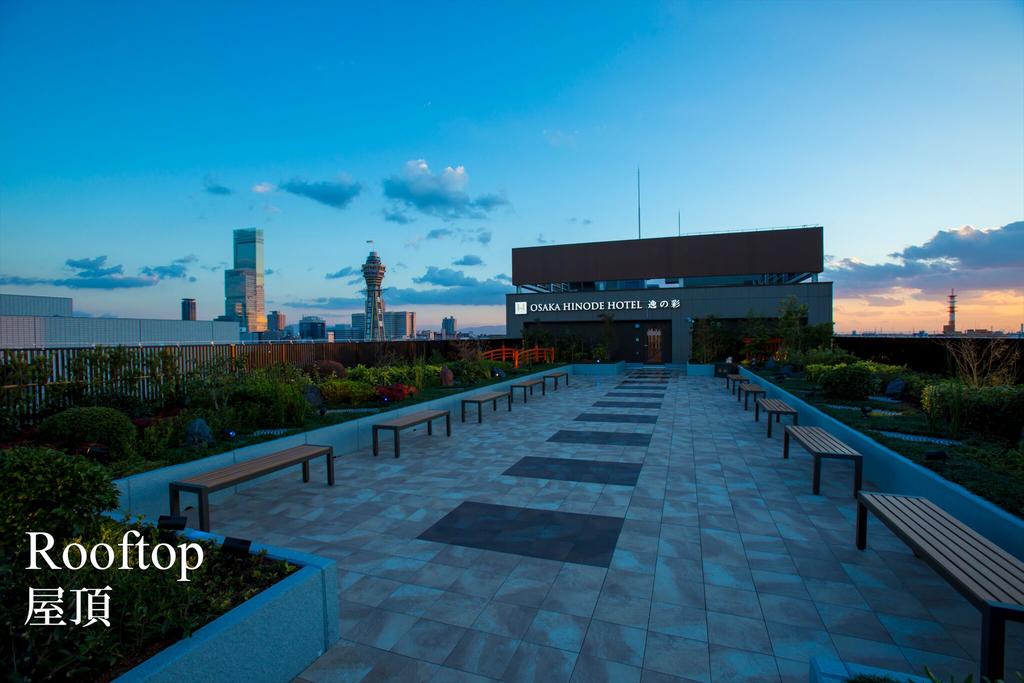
(146, 134)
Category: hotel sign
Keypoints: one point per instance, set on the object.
(524, 307)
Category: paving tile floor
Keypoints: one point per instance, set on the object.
(726, 568)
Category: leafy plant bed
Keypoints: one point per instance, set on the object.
(990, 467)
(65, 496)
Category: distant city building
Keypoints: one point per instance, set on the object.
(449, 327)
(312, 327)
(344, 332)
(373, 273)
(399, 325)
(244, 298)
(28, 322)
(188, 309)
(276, 321)
(425, 335)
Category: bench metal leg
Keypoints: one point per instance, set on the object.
(494, 406)
(757, 412)
(463, 411)
(305, 471)
(862, 526)
(330, 467)
(510, 402)
(858, 475)
(398, 442)
(204, 511)
(430, 427)
(479, 413)
(376, 448)
(769, 421)
(817, 475)
(175, 501)
(448, 423)
(544, 388)
(993, 643)
(785, 444)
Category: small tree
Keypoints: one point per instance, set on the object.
(791, 326)
(756, 338)
(708, 339)
(984, 362)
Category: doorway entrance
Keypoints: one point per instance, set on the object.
(654, 343)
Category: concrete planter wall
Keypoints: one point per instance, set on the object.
(700, 369)
(145, 494)
(893, 473)
(273, 636)
(824, 670)
(599, 369)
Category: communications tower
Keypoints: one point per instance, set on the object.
(373, 273)
(950, 327)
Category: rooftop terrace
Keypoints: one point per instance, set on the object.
(629, 528)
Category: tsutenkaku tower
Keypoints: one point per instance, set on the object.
(373, 272)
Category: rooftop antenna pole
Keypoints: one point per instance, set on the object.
(679, 223)
(638, 203)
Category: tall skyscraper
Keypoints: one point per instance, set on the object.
(449, 327)
(188, 309)
(373, 273)
(244, 299)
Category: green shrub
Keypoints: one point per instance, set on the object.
(996, 411)
(10, 424)
(75, 427)
(827, 357)
(157, 438)
(471, 371)
(263, 400)
(347, 392)
(46, 490)
(854, 382)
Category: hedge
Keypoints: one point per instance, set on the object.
(996, 411)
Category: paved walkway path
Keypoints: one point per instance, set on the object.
(724, 568)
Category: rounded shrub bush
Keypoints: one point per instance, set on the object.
(46, 490)
(852, 382)
(75, 427)
(329, 368)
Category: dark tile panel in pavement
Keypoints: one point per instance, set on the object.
(633, 394)
(600, 438)
(654, 383)
(627, 404)
(638, 387)
(620, 418)
(566, 469)
(547, 534)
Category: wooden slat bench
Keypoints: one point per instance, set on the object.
(491, 397)
(210, 482)
(734, 380)
(776, 407)
(556, 375)
(746, 390)
(987, 576)
(411, 420)
(821, 444)
(529, 384)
